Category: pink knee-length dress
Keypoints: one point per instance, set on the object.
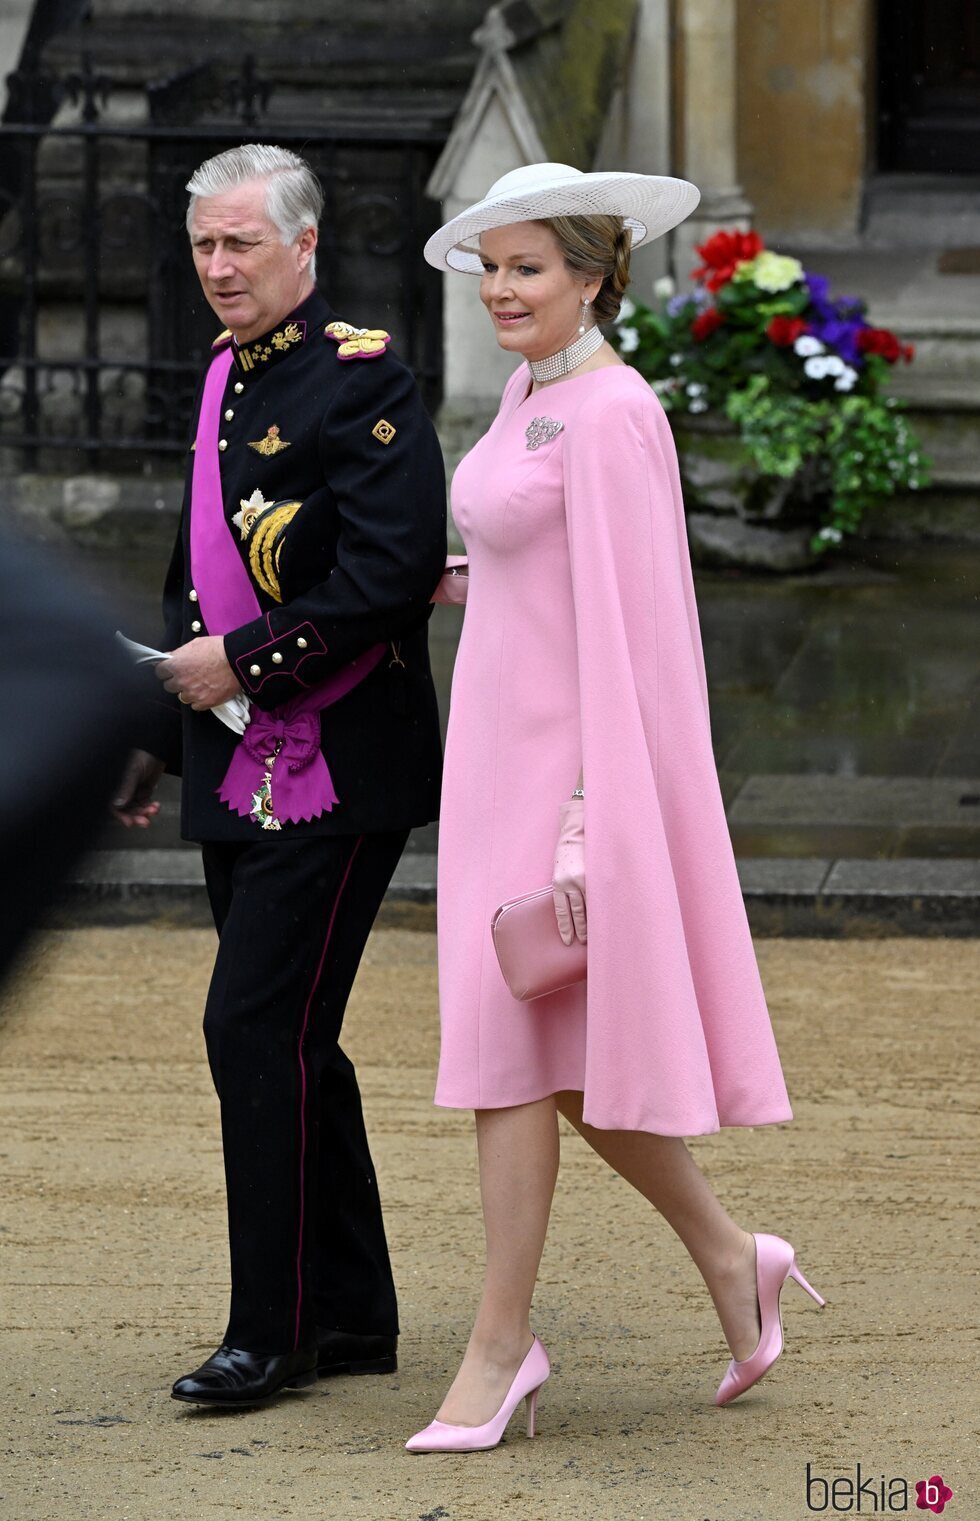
(580, 648)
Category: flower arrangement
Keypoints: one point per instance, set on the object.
(800, 375)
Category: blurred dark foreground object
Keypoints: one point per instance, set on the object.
(66, 708)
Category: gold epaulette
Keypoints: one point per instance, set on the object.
(222, 339)
(357, 342)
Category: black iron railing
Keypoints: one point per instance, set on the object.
(103, 328)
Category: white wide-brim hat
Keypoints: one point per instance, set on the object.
(650, 205)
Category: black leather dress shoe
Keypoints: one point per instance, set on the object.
(233, 1378)
(347, 1352)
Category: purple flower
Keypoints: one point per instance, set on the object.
(835, 323)
(696, 297)
(840, 336)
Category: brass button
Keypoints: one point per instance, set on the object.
(192, 596)
(276, 658)
(196, 626)
(222, 444)
(255, 670)
(229, 415)
(239, 388)
(301, 644)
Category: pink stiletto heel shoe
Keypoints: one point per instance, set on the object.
(438, 1436)
(775, 1261)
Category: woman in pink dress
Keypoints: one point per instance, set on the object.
(579, 754)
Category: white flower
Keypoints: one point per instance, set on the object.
(695, 388)
(806, 345)
(816, 368)
(626, 310)
(629, 340)
(664, 288)
(834, 365)
(677, 359)
(699, 406)
(830, 535)
(846, 380)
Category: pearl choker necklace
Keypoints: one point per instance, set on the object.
(557, 365)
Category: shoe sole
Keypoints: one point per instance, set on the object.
(357, 1369)
(298, 1381)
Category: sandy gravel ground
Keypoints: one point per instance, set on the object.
(113, 1263)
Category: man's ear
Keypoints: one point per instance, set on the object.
(306, 242)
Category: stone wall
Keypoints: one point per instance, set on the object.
(802, 116)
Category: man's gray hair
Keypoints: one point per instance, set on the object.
(293, 197)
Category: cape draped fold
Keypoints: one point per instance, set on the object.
(678, 1037)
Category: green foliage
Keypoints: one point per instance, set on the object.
(847, 453)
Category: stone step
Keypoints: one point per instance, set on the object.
(809, 896)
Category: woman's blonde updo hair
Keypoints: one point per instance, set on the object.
(597, 245)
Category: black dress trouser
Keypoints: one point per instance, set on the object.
(305, 1229)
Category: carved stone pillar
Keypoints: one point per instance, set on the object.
(706, 123)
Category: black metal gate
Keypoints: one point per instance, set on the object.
(103, 327)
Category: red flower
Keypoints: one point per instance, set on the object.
(878, 340)
(784, 331)
(703, 326)
(722, 253)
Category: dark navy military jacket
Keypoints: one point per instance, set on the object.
(350, 440)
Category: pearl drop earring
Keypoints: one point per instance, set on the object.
(585, 313)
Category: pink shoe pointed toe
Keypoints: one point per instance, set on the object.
(775, 1261)
(439, 1436)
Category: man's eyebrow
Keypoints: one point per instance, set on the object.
(245, 234)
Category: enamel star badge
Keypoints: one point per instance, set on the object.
(251, 508)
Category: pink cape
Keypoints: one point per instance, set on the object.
(581, 646)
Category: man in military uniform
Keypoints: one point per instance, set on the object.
(312, 538)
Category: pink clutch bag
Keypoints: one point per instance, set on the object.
(533, 957)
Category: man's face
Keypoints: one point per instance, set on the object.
(249, 276)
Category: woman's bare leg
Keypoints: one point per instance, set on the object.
(518, 1151)
(661, 1168)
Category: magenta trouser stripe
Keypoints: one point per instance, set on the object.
(302, 1085)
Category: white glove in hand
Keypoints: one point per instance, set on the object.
(569, 876)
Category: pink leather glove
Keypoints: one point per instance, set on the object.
(569, 875)
(452, 587)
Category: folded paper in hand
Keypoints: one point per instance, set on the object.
(234, 713)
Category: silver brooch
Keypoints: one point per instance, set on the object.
(542, 431)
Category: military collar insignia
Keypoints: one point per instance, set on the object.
(357, 342)
(271, 444)
(263, 352)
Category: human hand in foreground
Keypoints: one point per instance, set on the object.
(132, 802)
(455, 580)
(199, 673)
(569, 875)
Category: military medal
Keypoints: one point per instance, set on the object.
(251, 507)
(262, 809)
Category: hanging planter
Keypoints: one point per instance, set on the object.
(775, 393)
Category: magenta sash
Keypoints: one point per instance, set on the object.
(300, 780)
